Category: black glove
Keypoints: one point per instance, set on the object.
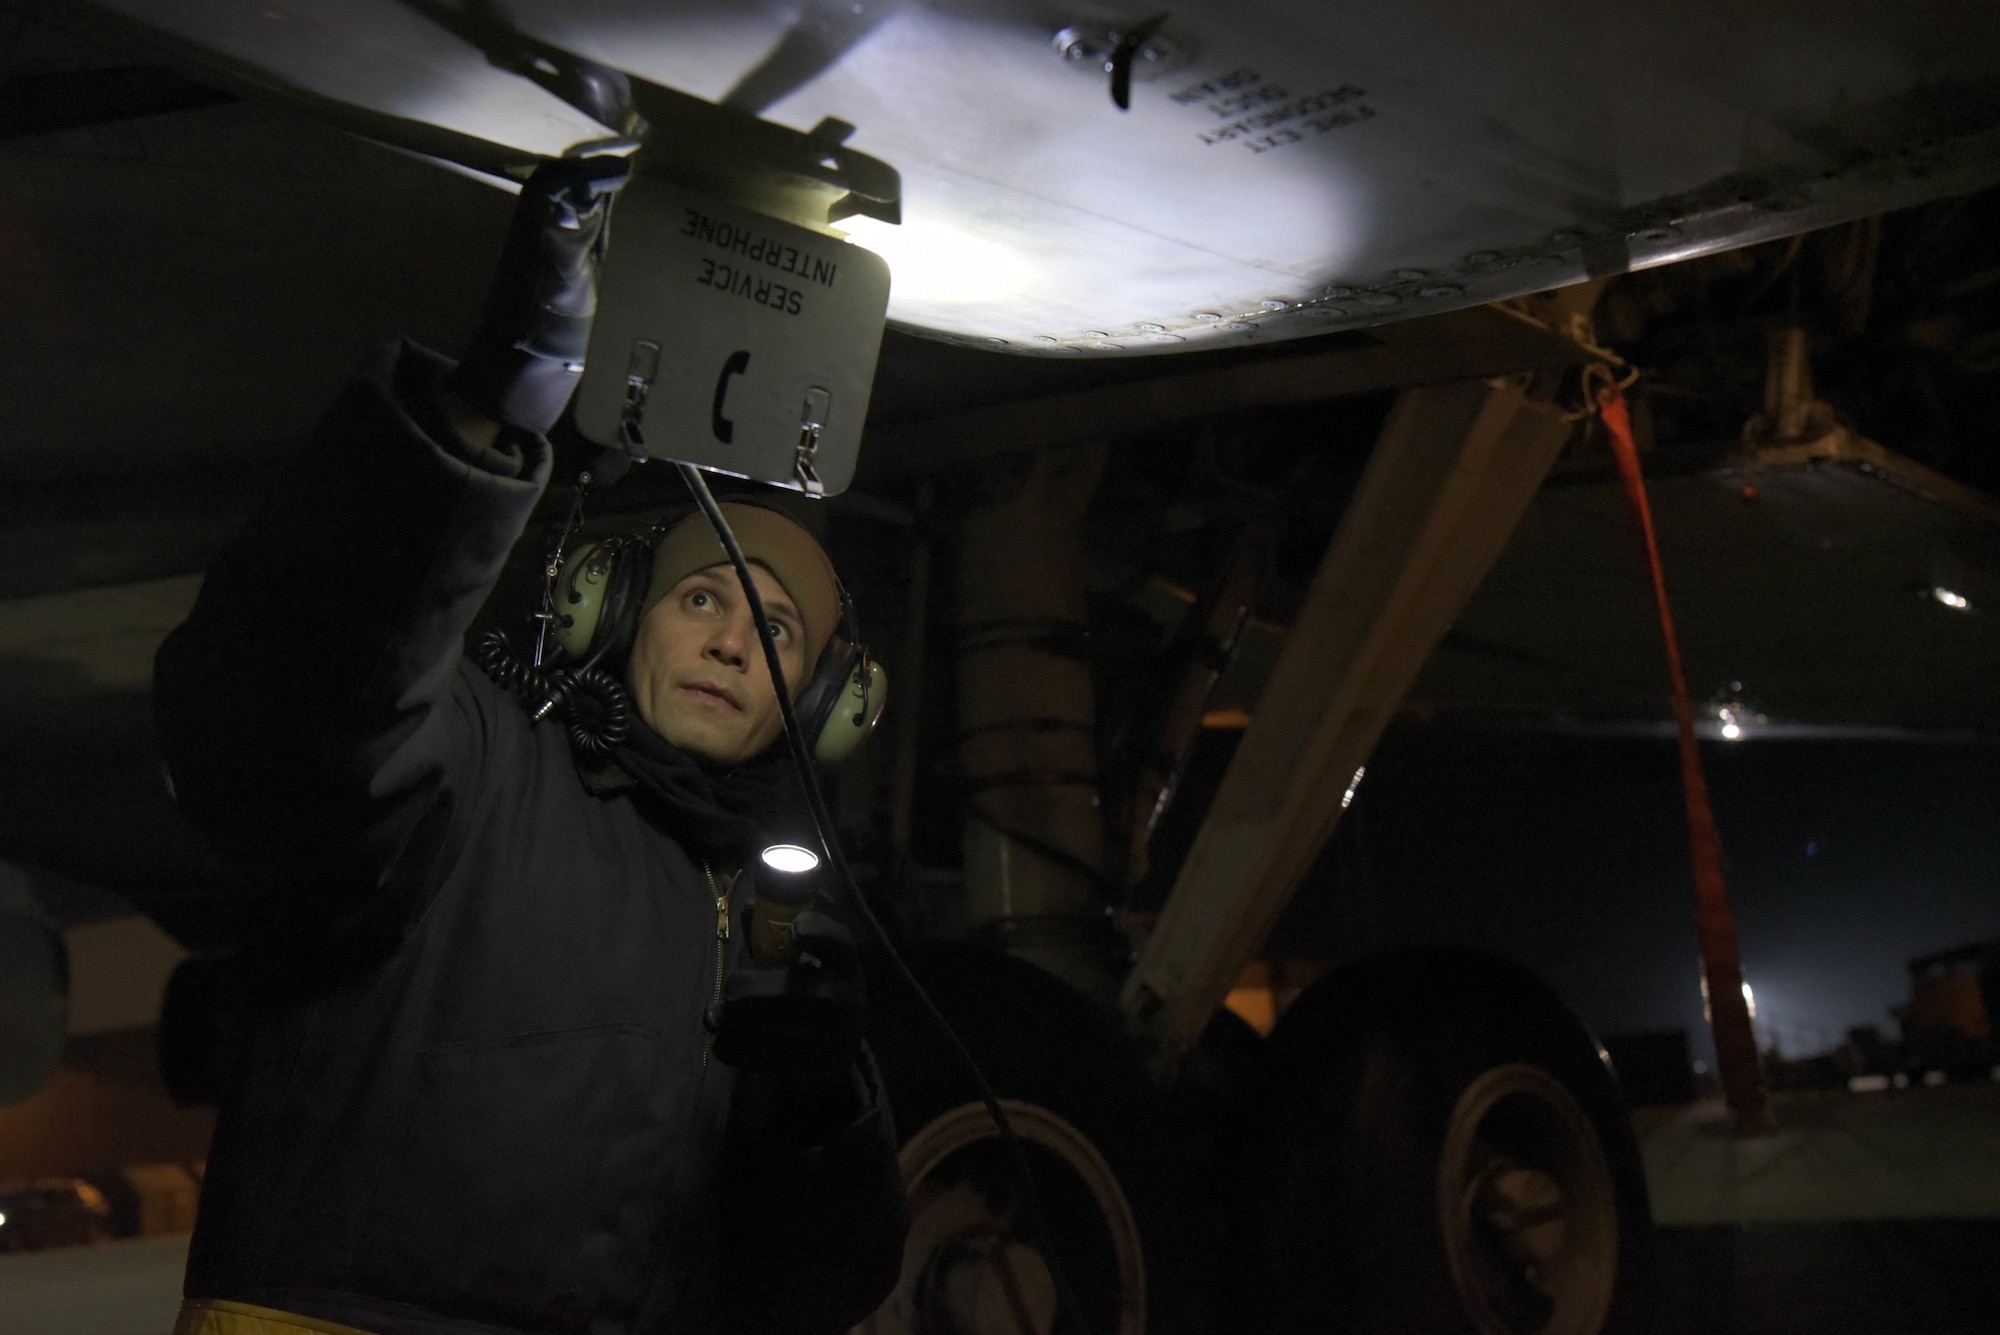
(524, 361)
(801, 1022)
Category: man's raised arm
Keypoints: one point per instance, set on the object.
(307, 707)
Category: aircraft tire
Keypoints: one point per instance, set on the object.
(1113, 1174)
(1437, 1146)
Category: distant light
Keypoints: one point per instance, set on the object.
(1957, 602)
(3, 1221)
(1749, 1001)
(1731, 729)
(1735, 717)
(1867, 1084)
(1701, 1068)
(790, 858)
(1347, 797)
(932, 262)
(1932, 1079)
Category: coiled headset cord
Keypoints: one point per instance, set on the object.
(823, 824)
(590, 701)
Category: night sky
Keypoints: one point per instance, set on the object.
(1845, 860)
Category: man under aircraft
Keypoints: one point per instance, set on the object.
(496, 1079)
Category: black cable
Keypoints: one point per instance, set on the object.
(497, 659)
(593, 706)
(823, 824)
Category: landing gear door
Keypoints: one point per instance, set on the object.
(732, 341)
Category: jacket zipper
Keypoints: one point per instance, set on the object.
(721, 947)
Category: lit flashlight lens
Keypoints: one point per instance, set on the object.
(790, 858)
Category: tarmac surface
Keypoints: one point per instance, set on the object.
(119, 1288)
(1873, 1214)
(1870, 1277)
(1866, 1214)
(1919, 1153)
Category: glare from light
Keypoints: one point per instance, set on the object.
(1735, 717)
(1749, 1001)
(3, 1221)
(790, 858)
(1347, 798)
(932, 262)
(1957, 602)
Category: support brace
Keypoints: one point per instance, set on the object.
(1453, 472)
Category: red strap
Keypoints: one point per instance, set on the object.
(1735, 1040)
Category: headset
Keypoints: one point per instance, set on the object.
(600, 589)
(591, 603)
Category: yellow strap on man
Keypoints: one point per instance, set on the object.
(218, 1316)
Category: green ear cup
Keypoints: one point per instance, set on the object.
(580, 597)
(585, 592)
(854, 714)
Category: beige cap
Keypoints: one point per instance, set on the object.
(770, 540)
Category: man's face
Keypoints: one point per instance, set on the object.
(697, 672)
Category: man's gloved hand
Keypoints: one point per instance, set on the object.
(524, 362)
(802, 1022)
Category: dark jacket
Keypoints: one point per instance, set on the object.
(478, 1095)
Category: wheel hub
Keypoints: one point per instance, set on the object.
(1522, 1209)
(983, 1282)
(1528, 1210)
(973, 1265)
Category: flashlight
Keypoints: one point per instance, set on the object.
(785, 886)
